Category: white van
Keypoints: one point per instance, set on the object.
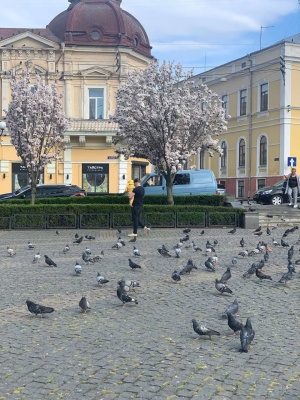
(186, 182)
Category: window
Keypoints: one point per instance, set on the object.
(261, 183)
(243, 65)
(264, 97)
(95, 178)
(155, 180)
(225, 104)
(138, 170)
(263, 151)
(224, 155)
(242, 154)
(181, 179)
(243, 102)
(241, 189)
(96, 103)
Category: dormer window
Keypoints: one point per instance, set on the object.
(95, 35)
(135, 42)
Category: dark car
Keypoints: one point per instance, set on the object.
(45, 191)
(272, 194)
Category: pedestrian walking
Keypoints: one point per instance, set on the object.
(137, 206)
(292, 187)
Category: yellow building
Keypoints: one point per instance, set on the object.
(89, 49)
(260, 93)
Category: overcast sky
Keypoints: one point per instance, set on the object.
(196, 33)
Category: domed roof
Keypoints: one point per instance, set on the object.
(100, 23)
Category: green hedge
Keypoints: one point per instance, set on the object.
(212, 200)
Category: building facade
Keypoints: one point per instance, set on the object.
(260, 94)
(88, 49)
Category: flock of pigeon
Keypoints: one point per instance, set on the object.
(262, 250)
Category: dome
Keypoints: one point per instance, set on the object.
(100, 23)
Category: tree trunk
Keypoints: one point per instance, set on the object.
(33, 191)
(170, 198)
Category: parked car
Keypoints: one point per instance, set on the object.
(272, 194)
(44, 191)
(186, 182)
(221, 189)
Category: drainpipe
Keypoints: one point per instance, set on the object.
(250, 127)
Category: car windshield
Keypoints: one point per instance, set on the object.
(21, 189)
(278, 183)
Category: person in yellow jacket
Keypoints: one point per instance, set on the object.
(129, 189)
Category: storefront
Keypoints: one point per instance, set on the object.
(20, 176)
(95, 178)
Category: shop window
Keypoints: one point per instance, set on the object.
(95, 178)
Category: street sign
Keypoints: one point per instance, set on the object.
(292, 162)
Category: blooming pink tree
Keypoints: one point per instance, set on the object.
(165, 118)
(36, 121)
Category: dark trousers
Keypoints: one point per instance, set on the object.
(136, 218)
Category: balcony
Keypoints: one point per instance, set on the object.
(92, 126)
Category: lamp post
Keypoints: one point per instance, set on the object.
(2, 127)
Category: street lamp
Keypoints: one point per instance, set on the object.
(2, 127)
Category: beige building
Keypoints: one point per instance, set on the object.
(260, 93)
(89, 49)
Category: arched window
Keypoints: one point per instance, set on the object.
(242, 153)
(224, 155)
(263, 151)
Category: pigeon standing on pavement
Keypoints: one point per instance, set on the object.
(163, 251)
(77, 268)
(79, 240)
(10, 251)
(242, 242)
(226, 276)
(124, 297)
(36, 258)
(246, 336)
(133, 265)
(232, 309)
(101, 280)
(84, 304)
(38, 309)
(261, 275)
(177, 250)
(210, 266)
(221, 287)
(203, 330)
(49, 261)
(90, 237)
(128, 285)
(30, 246)
(233, 324)
(66, 249)
(176, 276)
(232, 231)
(136, 252)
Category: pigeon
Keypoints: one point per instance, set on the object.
(221, 287)
(243, 253)
(196, 247)
(101, 280)
(163, 251)
(284, 244)
(38, 309)
(242, 242)
(86, 258)
(246, 335)
(66, 249)
(77, 268)
(177, 251)
(133, 265)
(76, 236)
(232, 309)
(268, 231)
(120, 240)
(186, 230)
(202, 232)
(275, 243)
(36, 258)
(252, 209)
(203, 330)
(258, 233)
(185, 239)
(90, 237)
(88, 251)
(257, 230)
(253, 268)
(210, 266)
(188, 268)
(216, 242)
(226, 276)
(232, 231)
(119, 231)
(234, 261)
(57, 233)
(30, 246)
(50, 262)
(10, 251)
(124, 297)
(233, 324)
(176, 276)
(84, 304)
(261, 275)
(287, 276)
(136, 252)
(79, 240)
(117, 246)
(266, 256)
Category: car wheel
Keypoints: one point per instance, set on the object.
(276, 200)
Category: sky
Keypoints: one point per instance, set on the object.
(199, 34)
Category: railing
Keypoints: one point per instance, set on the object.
(94, 125)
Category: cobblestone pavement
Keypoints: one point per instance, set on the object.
(149, 350)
